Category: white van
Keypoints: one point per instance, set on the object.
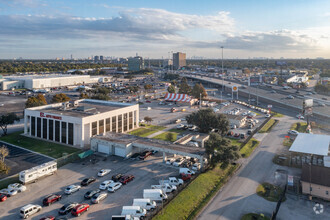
(186, 171)
(145, 203)
(28, 210)
(154, 194)
(135, 211)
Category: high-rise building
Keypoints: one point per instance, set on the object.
(101, 58)
(179, 60)
(96, 58)
(135, 63)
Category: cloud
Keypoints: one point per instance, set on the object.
(25, 3)
(281, 40)
(140, 23)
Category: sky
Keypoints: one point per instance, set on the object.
(47, 29)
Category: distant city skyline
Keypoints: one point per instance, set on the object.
(44, 29)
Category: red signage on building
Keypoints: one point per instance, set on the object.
(43, 115)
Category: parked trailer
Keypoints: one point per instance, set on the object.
(33, 174)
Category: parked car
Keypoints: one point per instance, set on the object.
(67, 208)
(230, 133)
(98, 197)
(242, 136)
(293, 132)
(169, 161)
(19, 187)
(105, 184)
(114, 186)
(103, 172)
(126, 179)
(249, 132)
(80, 209)
(178, 162)
(117, 177)
(290, 97)
(145, 155)
(180, 126)
(233, 126)
(267, 115)
(8, 192)
(28, 210)
(48, 218)
(196, 166)
(135, 155)
(71, 189)
(299, 116)
(3, 197)
(186, 163)
(91, 193)
(88, 181)
(51, 199)
(236, 135)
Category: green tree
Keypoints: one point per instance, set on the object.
(6, 120)
(220, 150)
(61, 97)
(4, 152)
(34, 101)
(198, 90)
(170, 136)
(184, 87)
(171, 89)
(147, 87)
(101, 96)
(206, 119)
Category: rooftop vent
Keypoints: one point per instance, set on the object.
(85, 109)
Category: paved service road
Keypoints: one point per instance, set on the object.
(21, 159)
(238, 196)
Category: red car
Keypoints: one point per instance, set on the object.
(51, 199)
(148, 101)
(3, 197)
(48, 218)
(236, 135)
(185, 177)
(145, 154)
(125, 179)
(79, 209)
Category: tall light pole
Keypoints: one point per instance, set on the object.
(222, 69)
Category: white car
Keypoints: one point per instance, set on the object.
(267, 116)
(299, 116)
(169, 161)
(114, 186)
(71, 189)
(19, 187)
(9, 192)
(293, 132)
(103, 172)
(105, 184)
(178, 162)
(180, 126)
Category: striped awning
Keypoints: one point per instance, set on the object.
(174, 97)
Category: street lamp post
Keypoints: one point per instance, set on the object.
(222, 69)
(200, 100)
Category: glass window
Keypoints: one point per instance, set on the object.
(51, 129)
(38, 127)
(70, 138)
(57, 131)
(44, 128)
(107, 124)
(101, 126)
(135, 119)
(327, 192)
(64, 132)
(33, 126)
(125, 122)
(114, 124)
(120, 123)
(130, 120)
(94, 128)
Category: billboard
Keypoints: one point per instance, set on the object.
(254, 80)
(234, 89)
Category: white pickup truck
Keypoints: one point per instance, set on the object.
(172, 181)
(167, 188)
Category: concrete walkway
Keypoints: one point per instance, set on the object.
(169, 127)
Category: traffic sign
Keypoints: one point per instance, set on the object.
(235, 88)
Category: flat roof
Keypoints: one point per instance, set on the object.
(85, 108)
(311, 144)
(131, 139)
(48, 76)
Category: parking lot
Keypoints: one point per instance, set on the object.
(147, 173)
(20, 159)
(12, 103)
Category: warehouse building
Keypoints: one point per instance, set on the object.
(74, 123)
(45, 81)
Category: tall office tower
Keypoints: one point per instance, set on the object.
(101, 58)
(96, 58)
(135, 63)
(179, 60)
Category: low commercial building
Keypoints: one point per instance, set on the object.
(237, 120)
(45, 81)
(310, 148)
(124, 145)
(74, 123)
(315, 181)
(135, 63)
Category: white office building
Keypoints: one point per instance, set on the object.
(74, 123)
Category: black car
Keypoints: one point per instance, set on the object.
(88, 181)
(136, 155)
(91, 193)
(186, 163)
(117, 177)
(67, 208)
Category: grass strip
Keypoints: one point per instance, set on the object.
(249, 147)
(188, 203)
(299, 126)
(37, 145)
(268, 126)
(254, 216)
(146, 131)
(165, 136)
(270, 192)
